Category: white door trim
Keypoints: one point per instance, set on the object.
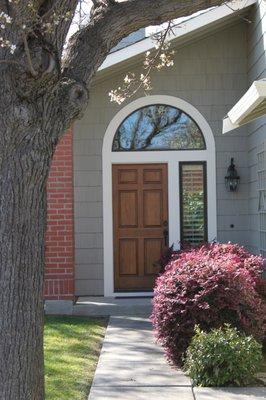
(172, 158)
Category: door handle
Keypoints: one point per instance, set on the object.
(165, 234)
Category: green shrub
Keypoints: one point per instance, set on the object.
(222, 357)
(207, 286)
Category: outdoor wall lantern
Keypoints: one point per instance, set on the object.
(232, 179)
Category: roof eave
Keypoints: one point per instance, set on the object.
(180, 32)
(252, 105)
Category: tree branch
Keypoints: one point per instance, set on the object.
(65, 10)
(27, 52)
(134, 85)
(89, 47)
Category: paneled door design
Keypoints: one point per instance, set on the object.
(140, 215)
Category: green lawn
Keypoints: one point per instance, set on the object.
(72, 346)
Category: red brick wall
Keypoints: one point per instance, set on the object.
(59, 251)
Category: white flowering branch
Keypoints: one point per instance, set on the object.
(162, 58)
(51, 20)
(5, 21)
(27, 25)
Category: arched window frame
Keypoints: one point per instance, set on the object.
(172, 158)
(158, 149)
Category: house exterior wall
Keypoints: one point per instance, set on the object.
(211, 74)
(256, 129)
(59, 246)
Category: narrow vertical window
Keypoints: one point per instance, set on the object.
(193, 202)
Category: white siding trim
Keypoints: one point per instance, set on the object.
(172, 158)
(248, 108)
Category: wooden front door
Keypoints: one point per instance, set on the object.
(140, 215)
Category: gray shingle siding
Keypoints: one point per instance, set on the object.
(257, 129)
(211, 74)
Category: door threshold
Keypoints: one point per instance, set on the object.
(129, 295)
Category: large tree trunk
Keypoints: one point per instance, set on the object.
(23, 174)
(34, 113)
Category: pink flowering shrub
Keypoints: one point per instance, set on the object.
(207, 286)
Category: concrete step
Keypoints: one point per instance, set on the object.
(110, 306)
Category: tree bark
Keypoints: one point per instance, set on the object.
(26, 150)
(22, 228)
(30, 128)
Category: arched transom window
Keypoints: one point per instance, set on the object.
(158, 127)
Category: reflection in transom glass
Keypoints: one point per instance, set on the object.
(158, 127)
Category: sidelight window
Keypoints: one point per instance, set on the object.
(193, 202)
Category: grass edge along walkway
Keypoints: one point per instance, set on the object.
(72, 347)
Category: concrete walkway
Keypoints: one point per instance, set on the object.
(132, 367)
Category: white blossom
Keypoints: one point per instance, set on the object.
(116, 97)
(129, 78)
(5, 18)
(12, 48)
(158, 59)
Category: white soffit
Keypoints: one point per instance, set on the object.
(251, 106)
(180, 31)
